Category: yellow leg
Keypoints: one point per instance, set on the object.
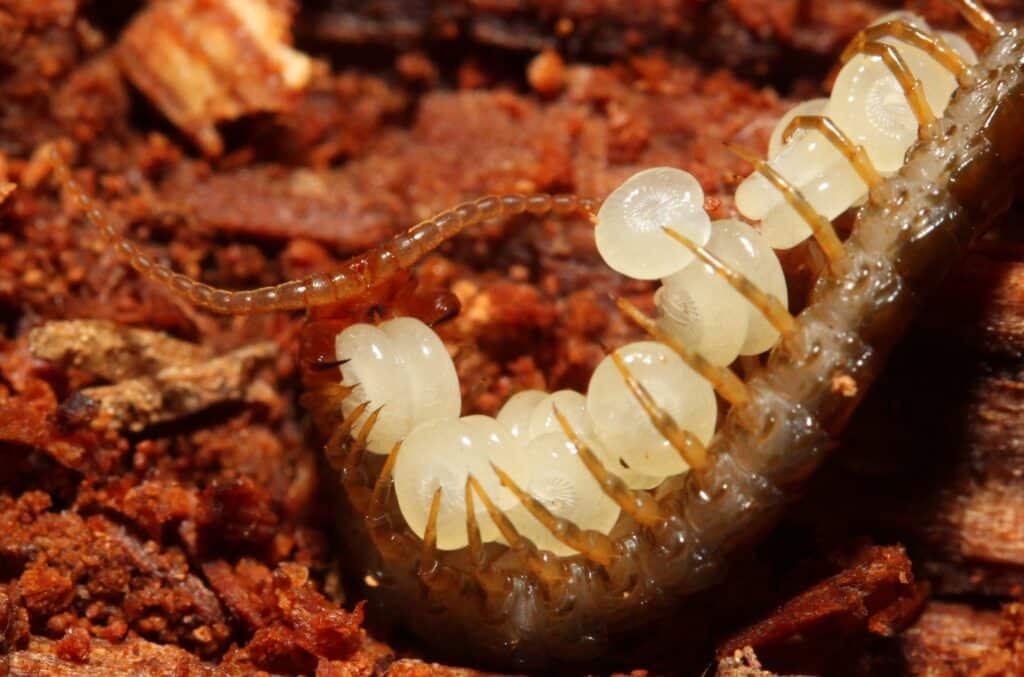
(732, 389)
(548, 570)
(768, 306)
(595, 547)
(910, 85)
(854, 153)
(639, 505)
(376, 508)
(491, 580)
(979, 18)
(688, 446)
(904, 31)
(822, 228)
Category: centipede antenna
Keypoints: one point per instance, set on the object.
(637, 504)
(911, 86)
(354, 276)
(768, 306)
(547, 570)
(904, 31)
(594, 546)
(689, 447)
(979, 17)
(824, 233)
(854, 153)
(726, 383)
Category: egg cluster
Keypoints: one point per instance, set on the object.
(869, 105)
(650, 228)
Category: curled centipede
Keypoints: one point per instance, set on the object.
(542, 535)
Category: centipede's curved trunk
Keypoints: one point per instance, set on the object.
(913, 229)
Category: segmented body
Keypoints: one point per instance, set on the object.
(525, 607)
(915, 226)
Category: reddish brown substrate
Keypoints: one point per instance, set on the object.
(203, 541)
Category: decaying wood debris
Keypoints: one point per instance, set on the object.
(206, 62)
(158, 378)
(204, 544)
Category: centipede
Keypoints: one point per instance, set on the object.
(544, 535)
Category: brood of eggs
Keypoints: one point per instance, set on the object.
(404, 371)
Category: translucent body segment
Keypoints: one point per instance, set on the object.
(433, 382)
(542, 419)
(443, 454)
(809, 107)
(621, 424)
(628, 232)
(372, 367)
(552, 473)
(704, 312)
(515, 413)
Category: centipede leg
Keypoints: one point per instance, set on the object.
(767, 305)
(912, 88)
(549, 570)
(639, 505)
(854, 153)
(726, 383)
(824, 233)
(593, 545)
(904, 31)
(393, 544)
(976, 15)
(481, 569)
(689, 447)
(356, 486)
(432, 571)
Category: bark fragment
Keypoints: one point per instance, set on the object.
(204, 61)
